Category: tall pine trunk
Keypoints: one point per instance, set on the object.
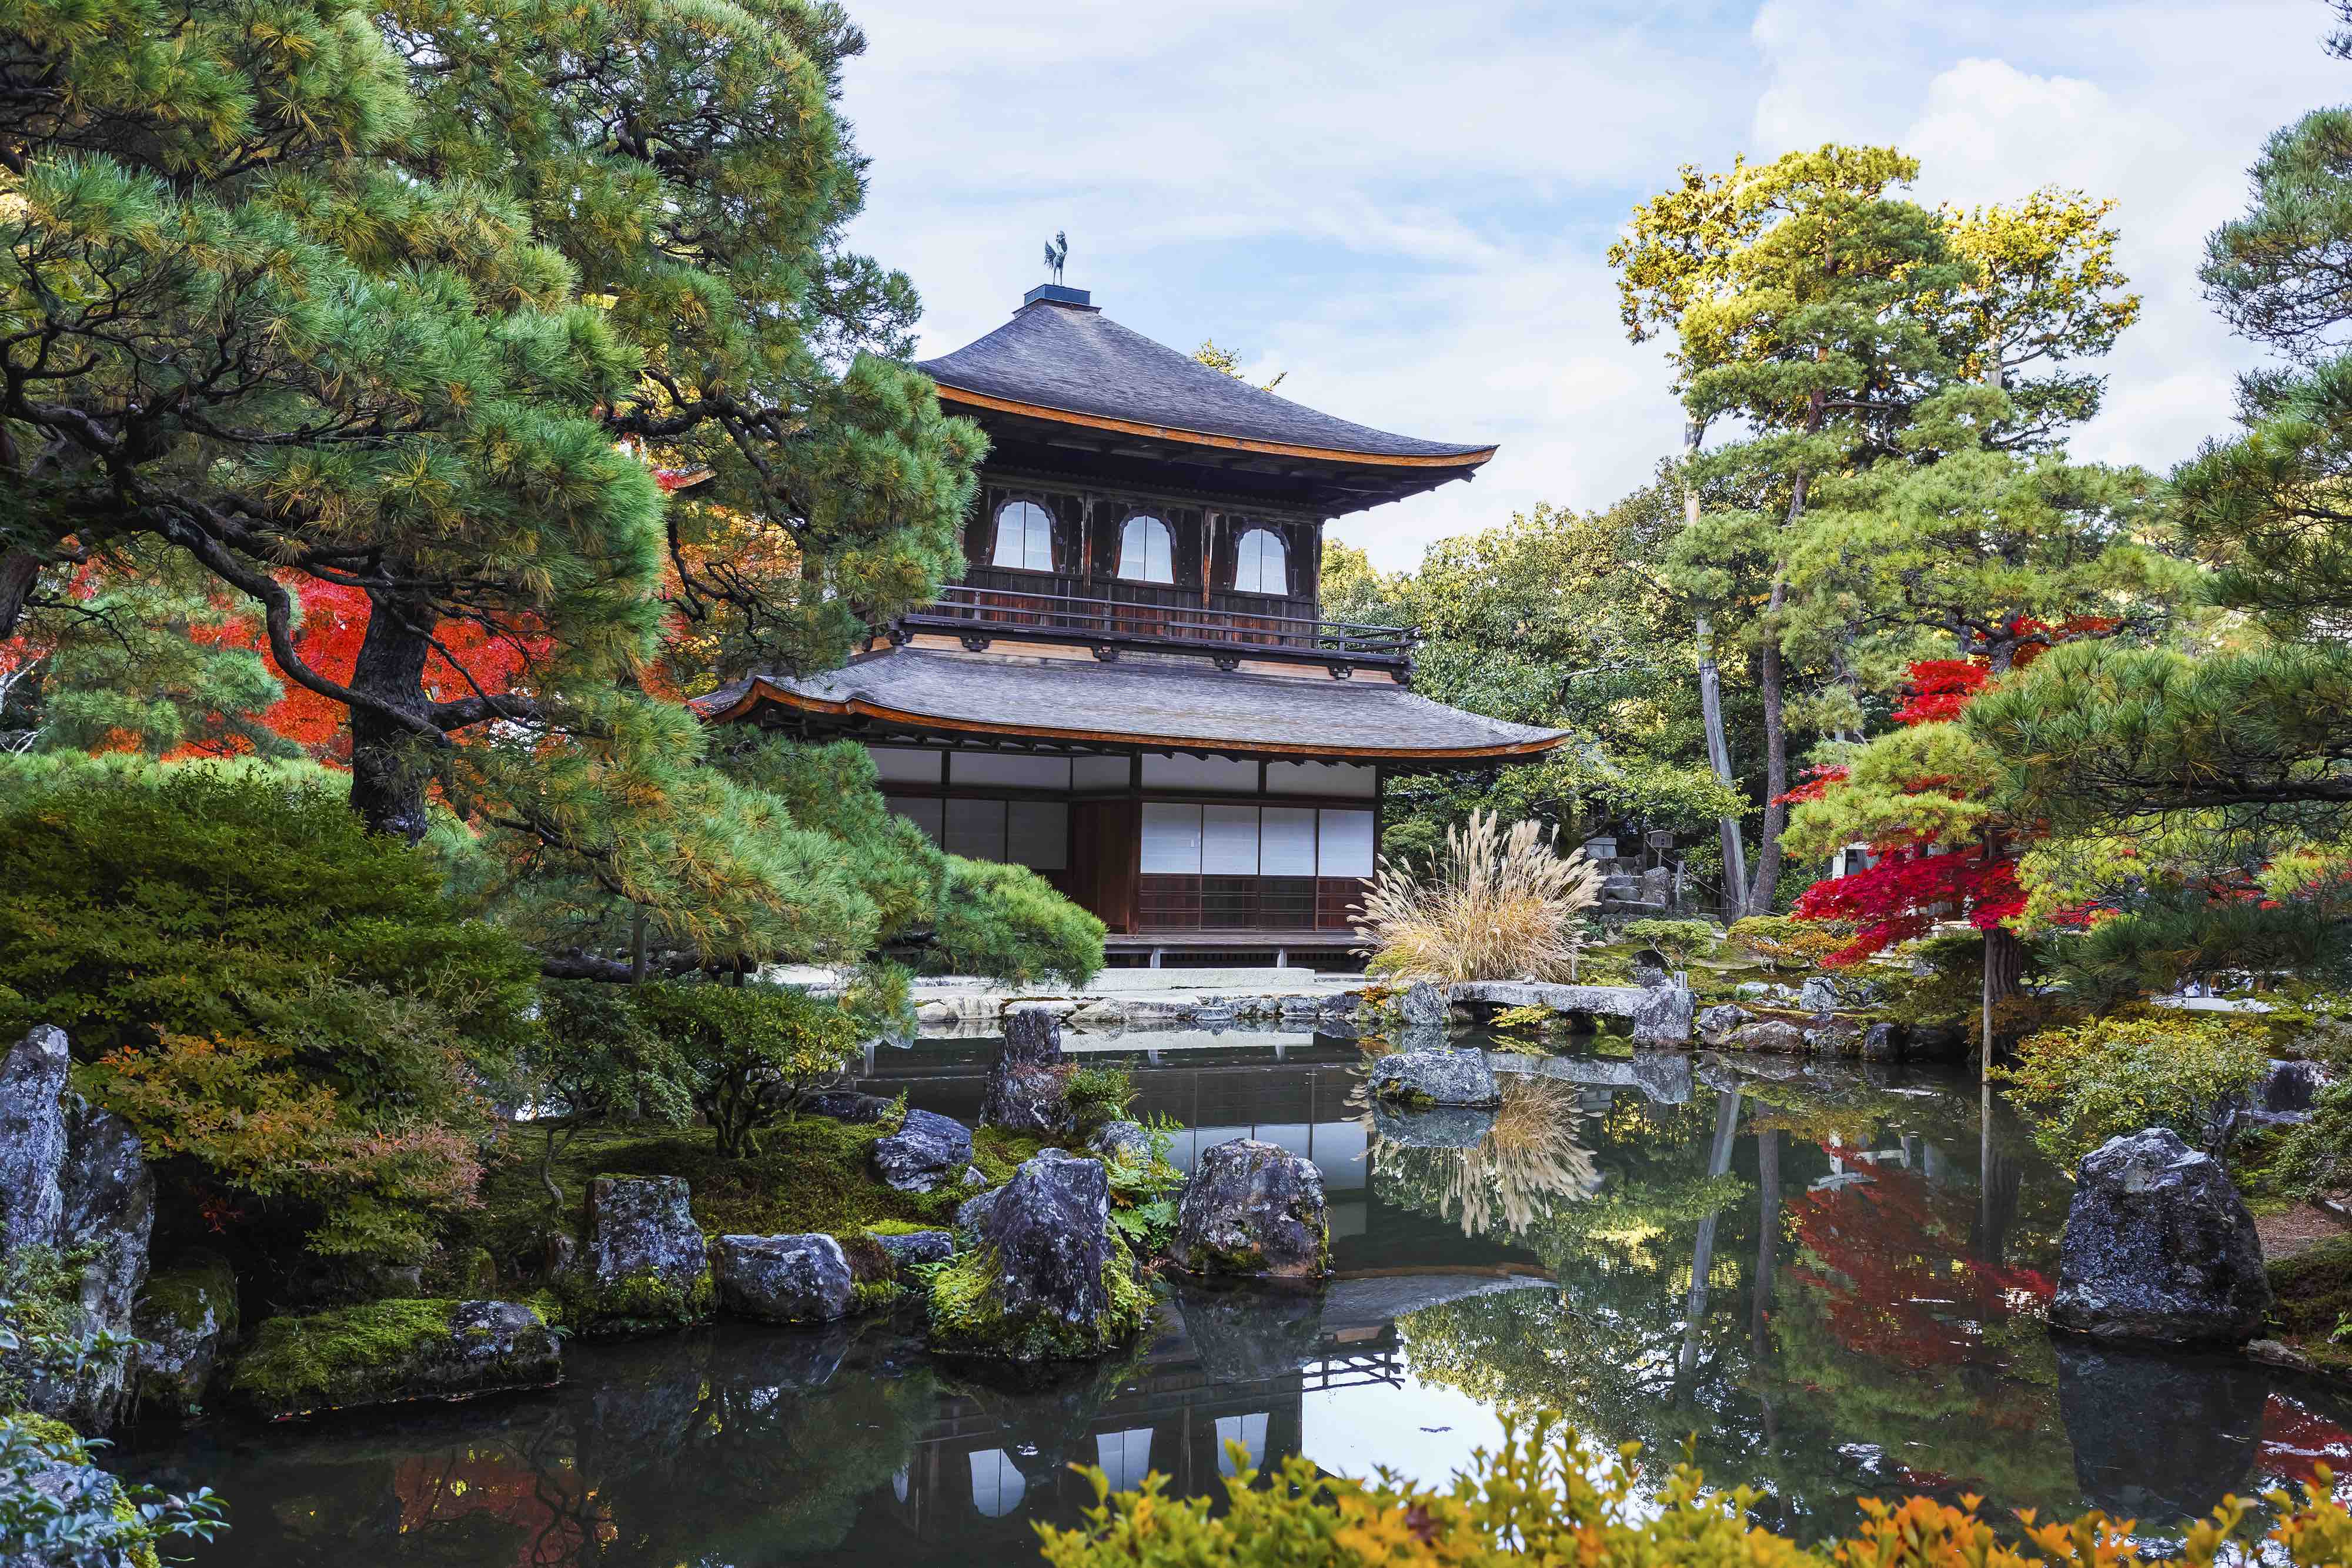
(1710, 707)
(388, 770)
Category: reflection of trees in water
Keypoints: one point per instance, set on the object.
(1528, 1161)
(1785, 1328)
(755, 1450)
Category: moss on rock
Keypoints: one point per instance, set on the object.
(968, 1316)
(392, 1351)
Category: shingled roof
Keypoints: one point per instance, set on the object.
(1150, 704)
(1058, 356)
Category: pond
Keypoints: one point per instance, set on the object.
(1830, 1282)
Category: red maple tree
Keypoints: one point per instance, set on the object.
(1917, 880)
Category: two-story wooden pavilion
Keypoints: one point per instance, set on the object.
(1133, 690)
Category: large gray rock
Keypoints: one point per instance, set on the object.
(780, 1278)
(1044, 1239)
(185, 1319)
(1772, 1036)
(1423, 1005)
(1432, 1127)
(1882, 1042)
(1716, 1024)
(109, 1208)
(1819, 994)
(1252, 1209)
(1434, 1077)
(646, 1254)
(32, 1138)
(848, 1105)
(2158, 1248)
(927, 1149)
(1027, 1088)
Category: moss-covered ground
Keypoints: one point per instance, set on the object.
(808, 1175)
(2314, 1300)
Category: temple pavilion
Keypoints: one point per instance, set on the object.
(1133, 690)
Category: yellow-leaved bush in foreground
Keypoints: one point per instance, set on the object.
(1541, 1500)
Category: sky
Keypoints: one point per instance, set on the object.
(1407, 207)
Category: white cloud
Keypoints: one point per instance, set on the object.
(1407, 206)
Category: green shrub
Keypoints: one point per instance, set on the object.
(284, 1006)
(2148, 1067)
(1008, 922)
(1542, 1497)
(1098, 1096)
(1678, 940)
(750, 1051)
(1783, 941)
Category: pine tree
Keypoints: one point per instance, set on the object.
(408, 307)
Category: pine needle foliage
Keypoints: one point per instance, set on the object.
(1494, 904)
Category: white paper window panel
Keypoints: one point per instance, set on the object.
(1171, 840)
(924, 814)
(976, 828)
(1224, 773)
(1249, 1431)
(905, 764)
(970, 767)
(1099, 773)
(1286, 842)
(1355, 780)
(1037, 834)
(1344, 845)
(1229, 840)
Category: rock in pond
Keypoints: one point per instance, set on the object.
(1028, 1084)
(2287, 1094)
(1434, 1077)
(391, 1351)
(646, 1257)
(780, 1278)
(1253, 1210)
(2159, 1438)
(1718, 1023)
(1882, 1042)
(2159, 1249)
(1042, 1280)
(1774, 1037)
(73, 1180)
(1245, 1335)
(1936, 1043)
(1423, 1005)
(185, 1319)
(1433, 1127)
(927, 1149)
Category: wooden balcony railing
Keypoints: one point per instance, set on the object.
(972, 610)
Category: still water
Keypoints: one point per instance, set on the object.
(1829, 1281)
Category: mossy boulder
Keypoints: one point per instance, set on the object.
(1046, 1278)
(186, 1317)
(646, 1266)
(1440, 1077)
(1252, 1209)
(393, 1351)
(781, 1279)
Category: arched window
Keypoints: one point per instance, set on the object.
(1260, 563)
(1145, 552)
(1025, 536)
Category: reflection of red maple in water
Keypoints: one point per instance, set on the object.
(1887, 1248)
(2297, 1441)
(543, 1504)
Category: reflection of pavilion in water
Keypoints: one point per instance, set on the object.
(1236, 1369)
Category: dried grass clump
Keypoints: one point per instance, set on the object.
(1493, 905)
